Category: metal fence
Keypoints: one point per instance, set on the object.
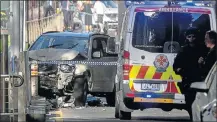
(35, 28)
(11, 109)
(17, 93)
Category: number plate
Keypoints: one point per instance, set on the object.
(149, 86)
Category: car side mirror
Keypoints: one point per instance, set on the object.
(97, 54)
(199, 86)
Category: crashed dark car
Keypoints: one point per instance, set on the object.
(71, 65)
(58, 82)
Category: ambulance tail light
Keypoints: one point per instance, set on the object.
(132, 95)
(126, 66)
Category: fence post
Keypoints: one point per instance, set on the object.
(4, 70)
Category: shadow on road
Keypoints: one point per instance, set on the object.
(166, 119)
(134, 119)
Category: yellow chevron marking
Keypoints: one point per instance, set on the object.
(150, 73)
(166, 75)
(176, 77)
(133, 73)
(130, 83)
(177, 87)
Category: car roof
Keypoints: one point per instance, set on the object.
(82, 34)
(68, 34)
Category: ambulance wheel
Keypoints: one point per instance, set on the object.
(124, 115)
(35, 117)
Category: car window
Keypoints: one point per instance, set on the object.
(61, 42)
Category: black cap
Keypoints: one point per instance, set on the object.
(191, 30)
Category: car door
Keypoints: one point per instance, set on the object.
(211, 95)
(100, 67)
(204, 98)
(110, 58)
(209, 112)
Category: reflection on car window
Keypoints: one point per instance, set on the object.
(152, 29)
(62, 42)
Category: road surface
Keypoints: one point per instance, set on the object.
(106, 114)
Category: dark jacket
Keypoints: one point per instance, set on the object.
(187, 60)
(209, 61)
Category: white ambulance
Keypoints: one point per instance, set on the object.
(152, 33)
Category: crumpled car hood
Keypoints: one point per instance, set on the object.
(51, 54)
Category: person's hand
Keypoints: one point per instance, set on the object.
(179, 69)
(201, 60)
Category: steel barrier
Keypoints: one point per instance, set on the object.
(9, 110)
(88, 23)
(35, 28)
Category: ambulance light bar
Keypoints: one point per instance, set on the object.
(170, 2)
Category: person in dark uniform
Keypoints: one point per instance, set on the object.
(186, 61)
(186, 65)
(208, 61)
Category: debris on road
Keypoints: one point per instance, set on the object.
(93, 101)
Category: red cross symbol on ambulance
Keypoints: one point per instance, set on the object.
(161, 60)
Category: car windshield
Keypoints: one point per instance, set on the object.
(110, 4)
(79, 44)
(153, 29)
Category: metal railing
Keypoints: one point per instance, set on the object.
(87, 21)
(9, 110)
(35, 28)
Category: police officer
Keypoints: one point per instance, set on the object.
(186, 61)
(208, 61)
(186, 65)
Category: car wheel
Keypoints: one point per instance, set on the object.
(35, 117)
(124, 115)
(80, 92)
(110, 99)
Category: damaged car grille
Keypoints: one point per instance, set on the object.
(48, 75)
(47, 68)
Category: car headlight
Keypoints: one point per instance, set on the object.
(67, 68)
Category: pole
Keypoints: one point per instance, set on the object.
(21, 25)
(121, 10)
(4, 69)
(24, 25)
(22, 89)
(5, 5)
(15, 37)
(15, 50)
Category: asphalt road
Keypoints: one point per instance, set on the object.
(106, 114)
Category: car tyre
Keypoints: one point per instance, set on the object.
(110, 99)
(35, 117)
(124, 115)
(80, 92)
